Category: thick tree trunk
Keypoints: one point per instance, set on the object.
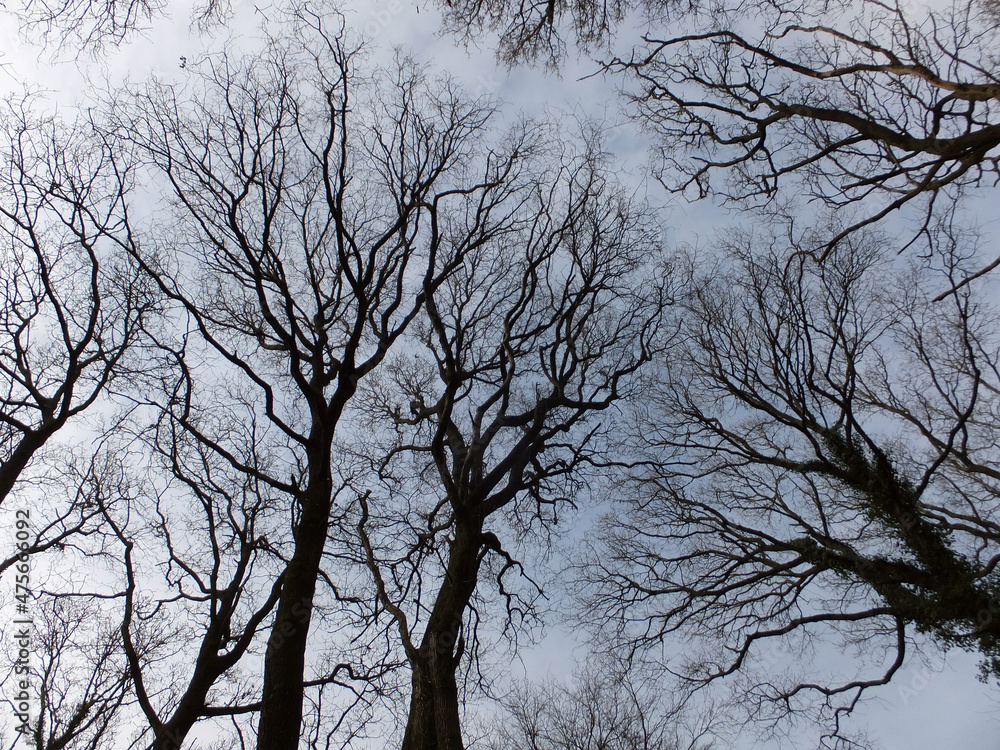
(13, 465)
(284, 661)
(434, 714)
(434, 719)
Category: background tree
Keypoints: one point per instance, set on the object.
(70, 310)
(497, 420)
(95, 27)
(819, 462)
(79, 674)
(600, 709)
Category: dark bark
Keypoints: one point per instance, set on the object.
(30, 443)
(434, 721)
(284, 663)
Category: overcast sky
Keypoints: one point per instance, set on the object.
(935, 704)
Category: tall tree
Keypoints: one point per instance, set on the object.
(500, 417)
(317, 206)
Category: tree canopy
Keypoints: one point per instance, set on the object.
(326, 381)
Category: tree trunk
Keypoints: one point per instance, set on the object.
(284, 661)
(434, 721)
(11, 468)
(172, 734)
(434, 718)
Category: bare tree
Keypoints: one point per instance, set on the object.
(884, 108)
(498, 419)
(601, 709)
(537, 31)
(90, 25)
(79, 675)
(95, 27)
(880, 108)
(70, 310)
(820, 461)
(317, 208)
